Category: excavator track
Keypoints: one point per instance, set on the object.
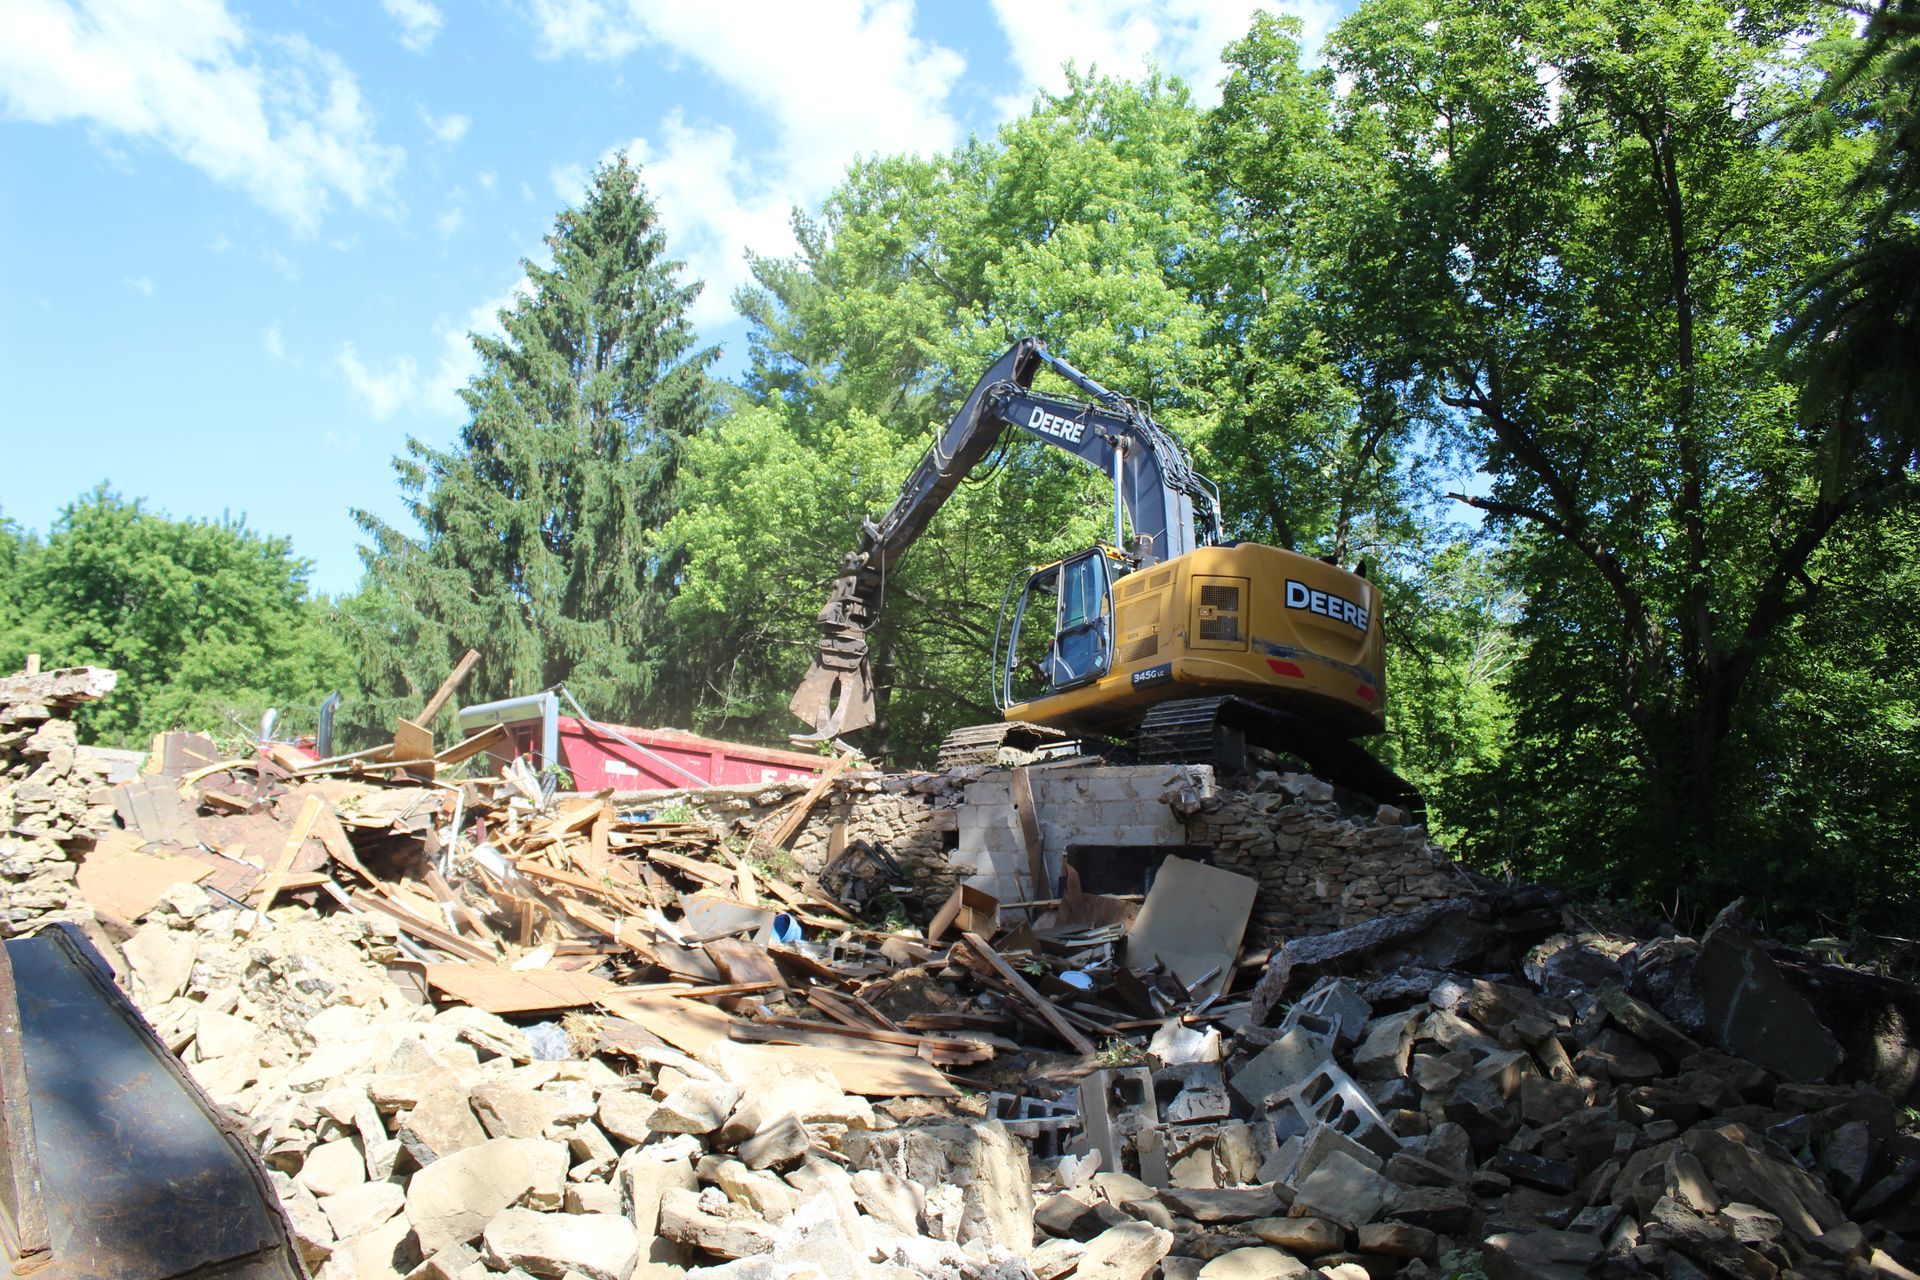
(981, 743)
(1219, 730)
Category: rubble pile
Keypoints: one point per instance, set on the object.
(1519, 1114)
(50, 806)
(476, 1027)
(402, 1141)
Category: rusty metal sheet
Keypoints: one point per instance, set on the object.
(133, 1173)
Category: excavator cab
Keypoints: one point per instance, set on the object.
(1062, 628)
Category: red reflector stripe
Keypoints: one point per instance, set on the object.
(1365, 691)
(1286, 668)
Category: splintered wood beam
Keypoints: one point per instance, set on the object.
(1039, 1003)
(454, 680)
(302, 828)
(791, 826)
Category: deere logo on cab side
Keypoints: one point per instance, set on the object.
(1327, 605)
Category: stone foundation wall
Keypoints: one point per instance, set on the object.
(1319, 868)
(53, 801)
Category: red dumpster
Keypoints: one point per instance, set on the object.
(626, 758)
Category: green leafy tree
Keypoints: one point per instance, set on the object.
(537, 528)
(208, 623)
(1590, 228)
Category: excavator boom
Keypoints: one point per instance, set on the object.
(1171, 507)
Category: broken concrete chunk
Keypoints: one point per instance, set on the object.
(596, 1246)
(708, 1220)
(1199, 1093)
(452, 1200)
(509, 1109)
(770, 1084)
(626, 1115)
(1343, 1191)
(696, 1106)
(782, 1142)
(1397, 1240)
(1309, 1237)
(1386, 1046)
(1336, 1004)
(1646, 1022)
(1128, 1252)
(1538, 1255)
(487, 1032)
(1753, 1011)
(333, 1167)
(1732, 1158)
(891, 1200)
(441, 1124)
(982, 1163)
(1225, 1204)
(1253, 1262)
(1052, 1259)
(758, 1190)
(1281, 1065)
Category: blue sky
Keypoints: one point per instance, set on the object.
(241, 245)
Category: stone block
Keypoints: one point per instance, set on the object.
(595, 1246)
(983, 1162)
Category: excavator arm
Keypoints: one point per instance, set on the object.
(1154, 479)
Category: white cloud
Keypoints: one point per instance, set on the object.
(400, 384)
(488, 180)
(272, 343)
(447, 129)
(381, 391)
(276, 117)
(714, 209)
(142, 285)
(419, 22)
(1123, 37)
(451, 219)
(569, 182)
(833, 80)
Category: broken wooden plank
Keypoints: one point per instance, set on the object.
(688, 1025)
(310, 813)
(974, 910)
(412, 749)
(432, 934)
(876, 1077)
(468, 748)
(1040, 1004)
(501, 990)
(454, 680)
(1028, 813)
(743, 961)
(791, 826)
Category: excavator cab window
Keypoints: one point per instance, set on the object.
(1031, 648)
(1083, 644)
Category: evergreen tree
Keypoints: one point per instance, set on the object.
(538, 526)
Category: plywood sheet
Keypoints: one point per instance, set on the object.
(876, 1075)
(497, 989)
(687, 1025)
(118, 880)
(1193, 919)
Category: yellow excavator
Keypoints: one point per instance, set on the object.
(1174, 642)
